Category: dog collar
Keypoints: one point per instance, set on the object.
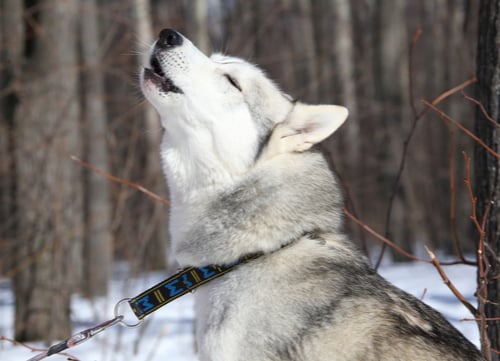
(187, 280)
(178, 285)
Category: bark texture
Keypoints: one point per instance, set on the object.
(49, 205)
(487, 167)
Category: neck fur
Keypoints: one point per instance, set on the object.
(193, 179)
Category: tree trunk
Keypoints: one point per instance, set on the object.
(391, 82)
(11, 52)
(487, 167)
(49, 184)
(98, 250)
(154, 228)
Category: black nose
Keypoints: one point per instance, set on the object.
(169, 38)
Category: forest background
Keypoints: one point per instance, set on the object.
(69, 87)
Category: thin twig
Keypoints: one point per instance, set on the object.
(472, 198)
(479, 319)
(451, 174)
(424, 293)
(450, 284)
(120, 180)
(19, 343)
(452, 91)
(414, 40)
(34, 349)
(481, 107)
(383, 239)
(482, 289)
(446, 117)
(393, 245)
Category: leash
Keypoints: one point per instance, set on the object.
(185, 281)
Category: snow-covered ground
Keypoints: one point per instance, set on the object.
(168, 333)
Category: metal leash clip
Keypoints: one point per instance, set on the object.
(77, 338)
(85, 335)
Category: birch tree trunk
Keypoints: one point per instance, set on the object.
(487, 167)
(49, 184)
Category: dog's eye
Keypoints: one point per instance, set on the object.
(233, 81)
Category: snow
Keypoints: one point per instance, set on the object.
(168, 333)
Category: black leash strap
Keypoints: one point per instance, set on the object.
(178, 285)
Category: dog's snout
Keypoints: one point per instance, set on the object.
(169, 38)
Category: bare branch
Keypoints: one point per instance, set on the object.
(482, 289)
(453, 224)
(451, 175)
(414, 40)
(120, 180)
(447, 118)
(34, 349)
(479, 319)
(395, 246)
(453, 90)
(383, 239)
(481, 107)
(472, 198)
(450, 285)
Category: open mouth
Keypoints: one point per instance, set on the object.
(156, 75)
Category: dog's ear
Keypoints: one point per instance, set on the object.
(305, 126)
(314, 123)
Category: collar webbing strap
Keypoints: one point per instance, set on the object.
(178, 285)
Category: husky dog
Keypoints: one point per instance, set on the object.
(244, 180)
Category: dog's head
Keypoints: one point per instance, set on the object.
(218, 112)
